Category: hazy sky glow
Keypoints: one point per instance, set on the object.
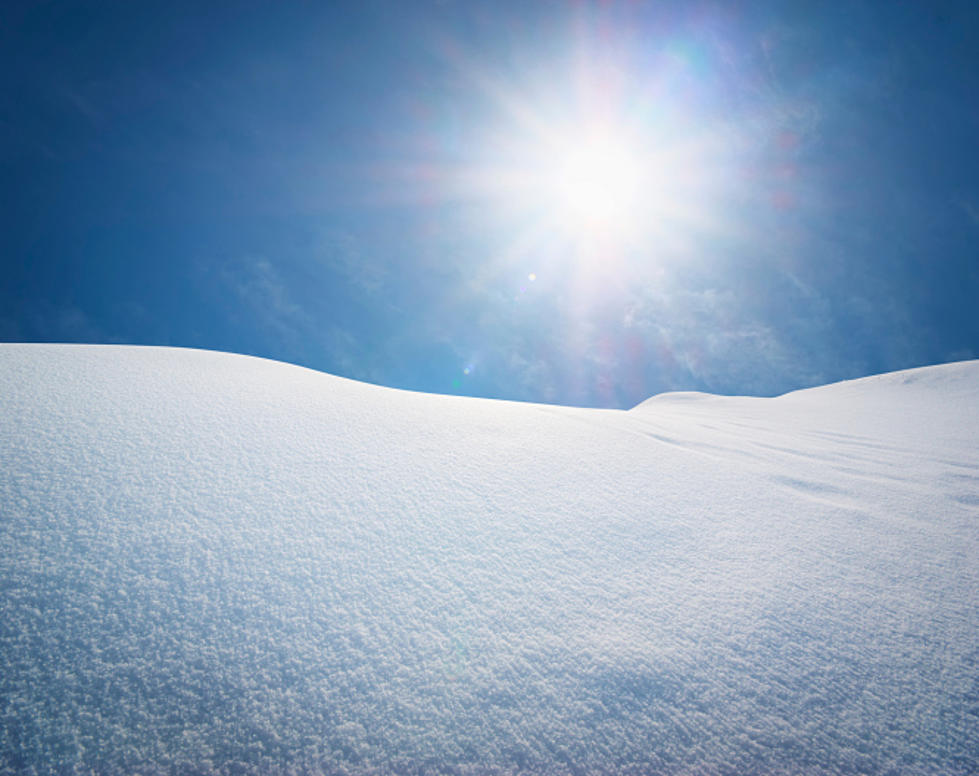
(564, 202)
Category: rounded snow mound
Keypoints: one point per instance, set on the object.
(220, 564)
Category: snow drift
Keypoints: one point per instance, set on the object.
(213, 563)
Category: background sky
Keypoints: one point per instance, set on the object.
(340, 185)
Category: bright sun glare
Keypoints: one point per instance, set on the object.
(596, 182)
(610, 172)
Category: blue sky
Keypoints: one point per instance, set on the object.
(361, 188)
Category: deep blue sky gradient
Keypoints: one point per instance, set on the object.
(283, 179)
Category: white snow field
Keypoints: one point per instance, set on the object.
(219, 564)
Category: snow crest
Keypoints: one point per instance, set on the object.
(219, 564)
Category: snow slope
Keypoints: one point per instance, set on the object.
(213, 563)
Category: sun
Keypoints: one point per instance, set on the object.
(595, 182)
(602, 168)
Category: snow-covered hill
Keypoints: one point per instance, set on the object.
(213, 563)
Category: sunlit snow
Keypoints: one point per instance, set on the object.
(213, 563)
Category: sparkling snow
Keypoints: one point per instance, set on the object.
(214, 563)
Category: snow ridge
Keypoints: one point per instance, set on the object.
(220, 564)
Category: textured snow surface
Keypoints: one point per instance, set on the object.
(213, 563)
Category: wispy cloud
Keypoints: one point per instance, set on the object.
(341, 252)
(710, 338)
(264, 300)
(258, 285)
(970, 208)
(50, 322)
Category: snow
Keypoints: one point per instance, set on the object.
(215, 563)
